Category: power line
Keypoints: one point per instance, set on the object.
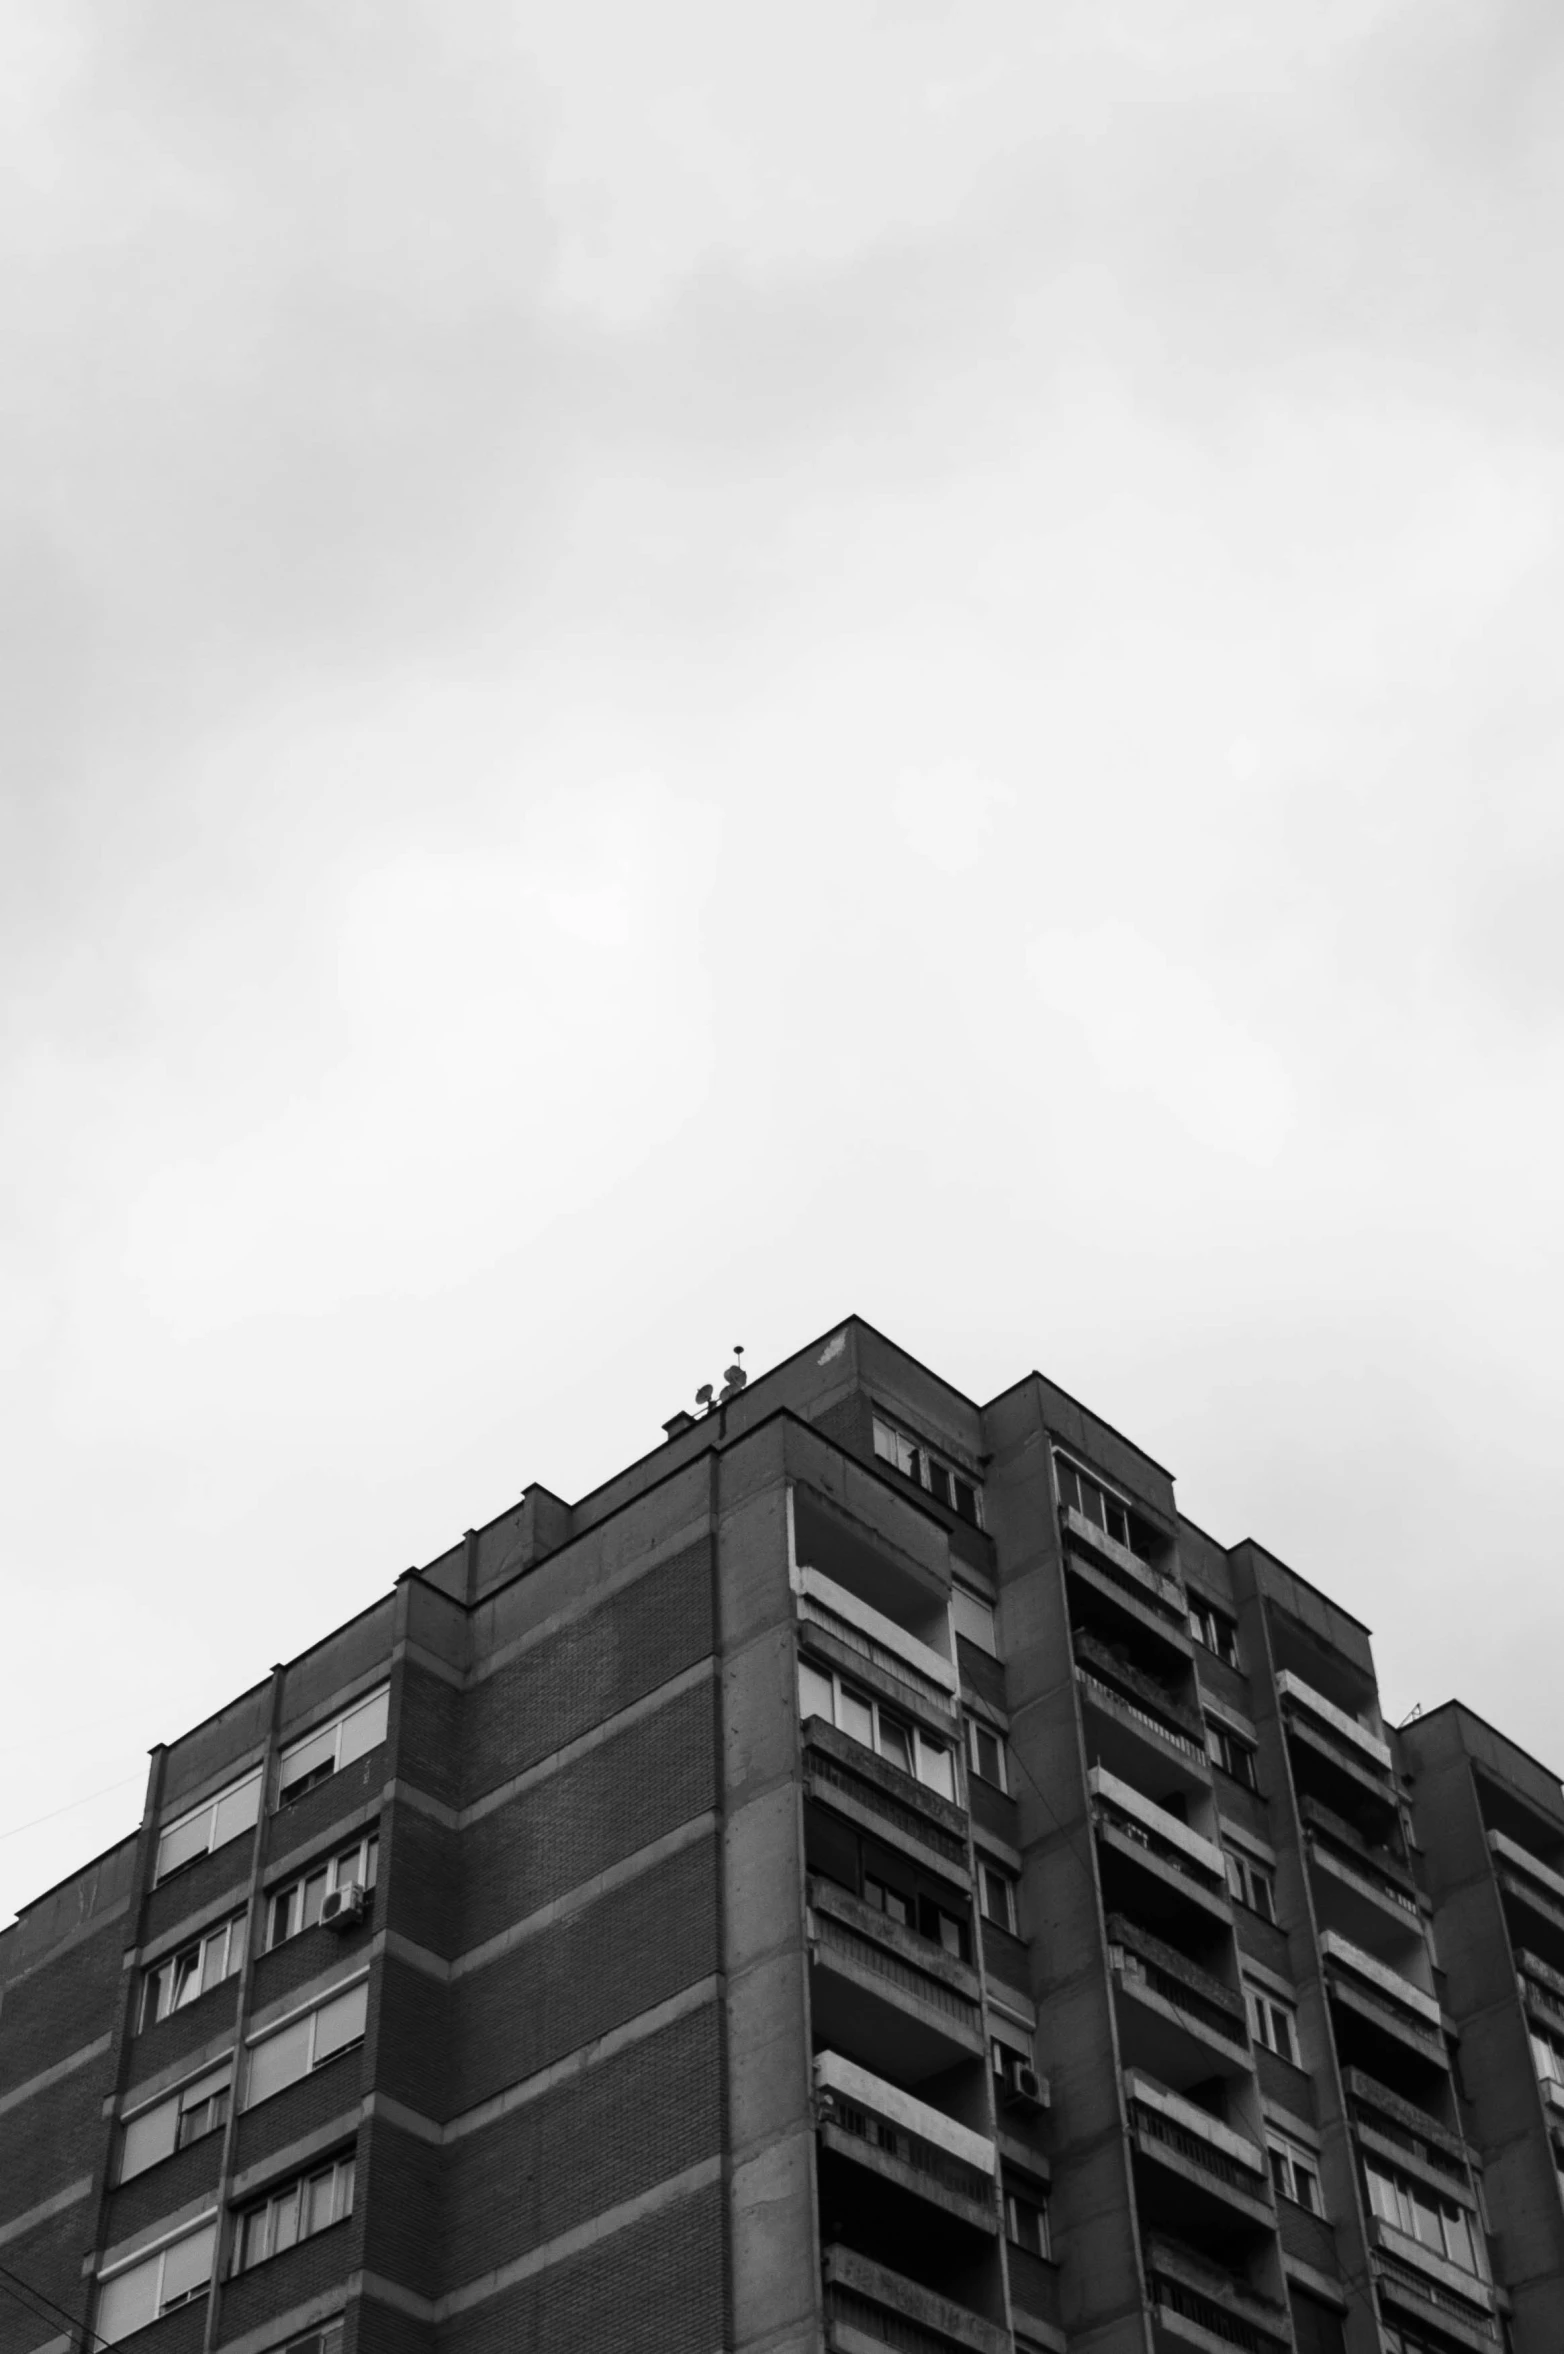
(20, 2290)
(18, 1828)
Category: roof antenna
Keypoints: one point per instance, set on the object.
(734, 1378)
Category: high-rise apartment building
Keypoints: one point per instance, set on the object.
(870, 1876)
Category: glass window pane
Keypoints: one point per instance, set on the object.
(282, 1916)
(281, 2059)
(319, 2194)
(237, 1810)
(302, 1760)
(1383, 2198)
(1458, 2239)
(345, 2187)
(314, 1898)
(148, 2138)
(884, 1441)
(341, 2021)
(128, 2301)
(936, 1767)
(188, 2264)
(184, 1978)
(365, 1729)
(285, 2219)
(1069, 1491)
(816, 1694)
(854, 1715)
(183, 1842)
(940, 1483)
(896, 1742)
(973, 1620)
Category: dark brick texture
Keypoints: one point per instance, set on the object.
(585, 2145)
(287, 2280)
(163, 2189)
(307, 1956)
(52, 2139)
(58, 2007)
(184, 2031)
(225, 1872)
(179, 2332)
(656, 2287)
(49, 2260)
(557, 1690)
(308, 1818)
(331, 2091)
(401, 2177)
(418, 1898)
(614, 1959)
(429, 1741)
(556, 1834)
(412, 2039)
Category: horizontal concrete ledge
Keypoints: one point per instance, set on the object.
(568, 2243)
(19, 2225)
(47, 2076)
(325, 2306)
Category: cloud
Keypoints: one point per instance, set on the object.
(1152, 1028)
(947, 814)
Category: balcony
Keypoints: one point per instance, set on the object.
(1214, 2169)
(1398, 2128)
(907, 2146)
(899, 2003)
(1364, 1746)
(1137, 1575)
(1385, 2003)
(1197, 2303)
(1392, 1984)
(1111, 1665)
(861, 1629)
(1153, 1865)
(1541, 1986)
(1376, 1863)
(869, 2308)
(1189, 2025)
(1128, 1724)
(845, 1776)
(1413, 2281)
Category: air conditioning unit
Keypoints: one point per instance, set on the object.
(346, 1906)
(1024, 2089)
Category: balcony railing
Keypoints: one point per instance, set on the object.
(876, 1638)
(1375, 1864)
(883, 2117)
(1541, 1984)
(1510, 1851)
(1153, 1827)
(1124, 1567)
(1143, 1959)
(1396, 2119)
(839, 1924)
(1090, 1651)
(1196, 2290)
(839, 1764)
(1096, 1688)
(1407, 2281)
(1365, 1747)
(1162, 2117)
(885, 2308)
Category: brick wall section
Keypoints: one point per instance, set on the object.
(179, 2332)
(993, 1811)
(401, 2202)
(412, 2041)
(850, 1424)
(331, 2091)
(584, 2146)
(429, 1741)
(559, 1689)
(558, 1990)
(287, 2280)
(52, 2138)
(225, 1872)
(184, 2031)
(56, 2008)
(981, 1672)
(418, 1899)
(163, 2189)
(556, 1834)
(304, 1820)
(307, 1956)
(382, 2329)
(656, 2287)
(49, 2258)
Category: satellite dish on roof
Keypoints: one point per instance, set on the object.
(703, 1394)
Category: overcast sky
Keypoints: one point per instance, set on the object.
(673, 670)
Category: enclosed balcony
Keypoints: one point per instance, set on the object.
(1200, 2304)
(869, 2307)
(881, 1798)
(1414, 2286)
(892, 2167)
(1534, 1896)
(1175, 2018)
(834, 1554)
(1135, 1726)
(1383, 2022)
(1364, 1903)
(1336, 1758)
(1203, 2175)
(1389, 2125)
(891, 1999)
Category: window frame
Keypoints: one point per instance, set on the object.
(1297, 2163)
(1245, 1874)
(145, 2259)
(213, 2080)
(1009, 1916)
(981, 1610)
(366, 1849)
(1206, 1621)
(862, 1693)
(925, 1466)
(210, 1808)
(1111, 1501)
(976, 1726)
(338, 2169)
(309, 2013)
(1224, 1744)
(1030, 2199)
(334, 1727)
(1408, 2192)
(233, 1930)
(1261, 2003)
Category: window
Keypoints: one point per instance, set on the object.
(1295, 2171)
(1425, 2215)
(985, 1753)
(973, 1619)
(1251, 1883)
(297, 1906)
(289, 2052)
(921, 1913)
(1079, 1492)
(137, 2293)
(194, 1970)
(184, 2117)
(191, 1836)
(1231, 1752)
(310, 2203)
(1272, 2022)
(1214, 1629)
(325, 2340)
(998, 1893)
(861, 1717)
(914, 1461)
(1549, 2057)
(1026, 2223)
(320, 1754)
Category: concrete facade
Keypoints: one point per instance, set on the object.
(872, 1875)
